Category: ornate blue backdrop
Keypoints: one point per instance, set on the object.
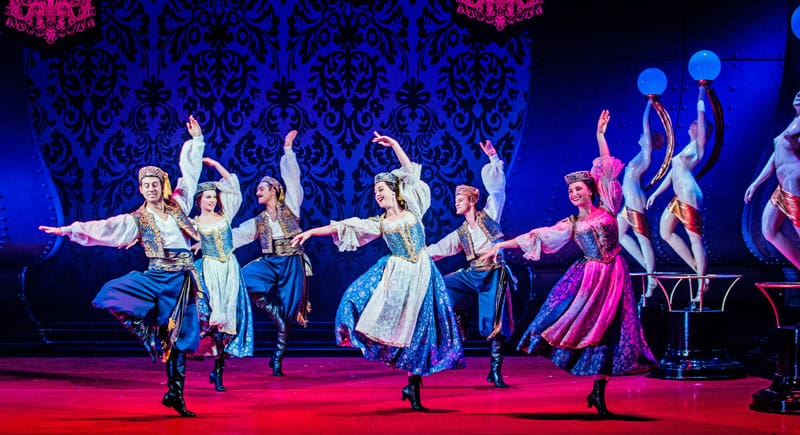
(105, 102)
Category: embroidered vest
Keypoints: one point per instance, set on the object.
(289, 223)
(487, 225)
(150, 235)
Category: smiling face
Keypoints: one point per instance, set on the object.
(265, 193)
(580, 195)
(208, 201)
(151, 189)
(384, 195)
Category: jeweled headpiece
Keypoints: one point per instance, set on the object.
(275, 184)
(155, 171)
(574, 177)
(387, 177)
(207, 185)
(470, 192)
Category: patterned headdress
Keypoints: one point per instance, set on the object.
(155, 171)
(274, 183)
(470, 192)
(207, 185)
(576, 176)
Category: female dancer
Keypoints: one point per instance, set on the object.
(231, 320)
(685, 206)
(632, 215)
(398, 311)
(588, 323)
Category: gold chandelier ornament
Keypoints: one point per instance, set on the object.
(499, 13)
(50, 19)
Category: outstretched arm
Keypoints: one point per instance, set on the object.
(602, 124)
(325, 230)
(765, 173)
(387, 141)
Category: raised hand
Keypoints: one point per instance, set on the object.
(384, 140)
(488, 148)
(194, 127)
(289, 140)
(208, 161)
(602, 122)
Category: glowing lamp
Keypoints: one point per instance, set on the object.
(796, 22)
(704, 65)
(652, 81)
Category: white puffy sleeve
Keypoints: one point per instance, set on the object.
(545, 239)
(447, 246)
(230, 196)
(290, 173)
(244, 233)
(115, 231)
(414, 191)
(191, 164)
(494, 181)
(352, 233)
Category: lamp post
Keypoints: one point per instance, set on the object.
(652, 83)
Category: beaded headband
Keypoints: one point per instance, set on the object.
(576, 176)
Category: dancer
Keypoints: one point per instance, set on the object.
(685, 206)
(785, 200)
(277, 280)
(158, 306)
(588, 323)
(398, 311)
(488, 283)
(632, 214)
(231, 321)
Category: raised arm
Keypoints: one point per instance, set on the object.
(602, 124)
(701, 123)
(230, 193)
(191, 164)
(765, 173)
(387, 141)
(290, 172)
(494, 181)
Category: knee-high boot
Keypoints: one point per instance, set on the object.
(597, 397)
(176, 377)
(215, 377)
(282, 334)
(411, 392)
(496, 363)
(147, 335)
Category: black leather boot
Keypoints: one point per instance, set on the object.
(496, 363)
(147, 335)
(176, 377)
(215, 377)
(597, 397)
(411, 392)
(282, 334)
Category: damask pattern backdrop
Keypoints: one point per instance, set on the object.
(250, 71)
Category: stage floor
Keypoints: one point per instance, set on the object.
(330, 395)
